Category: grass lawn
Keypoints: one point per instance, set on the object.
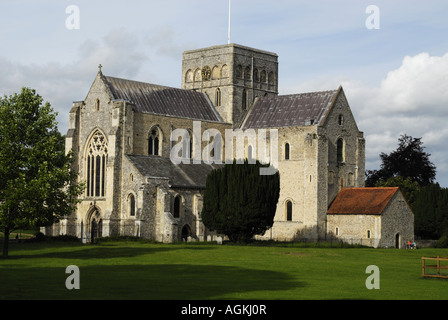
(138, 270)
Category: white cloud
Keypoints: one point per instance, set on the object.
(421, 83)
(61, 84)
(412, 100)
(119, 52)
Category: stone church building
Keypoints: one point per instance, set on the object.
(122, 135)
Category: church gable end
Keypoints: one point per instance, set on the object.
(99, 97)
(339, 113)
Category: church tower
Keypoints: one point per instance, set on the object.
(232, 76)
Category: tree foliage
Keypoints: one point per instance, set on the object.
(409, 168)
(431, 212)
(409, 160)
(239, 202)
(37, 185)
(408, 187)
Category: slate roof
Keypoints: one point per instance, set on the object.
(156, 99)
(362, 200)
(290, 110)
(181, 175)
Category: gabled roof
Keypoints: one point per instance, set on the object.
(290, 110)
(179, 175)
(156, 99)
(362, 200)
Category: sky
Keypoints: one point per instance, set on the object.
(390, 56)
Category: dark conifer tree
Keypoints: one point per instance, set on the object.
(431, 212)
(239, 202)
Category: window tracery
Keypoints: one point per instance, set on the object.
(153, 142)
(96, 165)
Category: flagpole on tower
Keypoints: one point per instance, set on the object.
(228, 35)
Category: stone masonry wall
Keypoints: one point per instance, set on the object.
(234, 69)
(397, 219)
(376, 230)
(361, 229)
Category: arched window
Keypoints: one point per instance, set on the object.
(197, 75)
(131, 204)
(177, 206)
(189, 76)
(263, 76)
(247, 73)
(96, 165)
(218, 97)
(153, 142)
(244, 100)
(256, 78)
(286, 151)
(340, 151)
(249, 153)
(189, 147)
(239, 72)
(225, 71)
(341, 120)
(288, 210)
(216, 73)
(271, 78)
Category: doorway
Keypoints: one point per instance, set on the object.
(95, 224)
(397, 241)
(186, 232)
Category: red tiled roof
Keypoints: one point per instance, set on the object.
(362, 200)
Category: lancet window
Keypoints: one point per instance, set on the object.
(288, 211)
(153, 142)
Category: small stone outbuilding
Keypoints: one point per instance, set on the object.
(376, 217)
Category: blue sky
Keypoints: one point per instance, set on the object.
(395, 77)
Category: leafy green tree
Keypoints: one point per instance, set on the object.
(409, 160)
(239, 202)
(408, 187)
(37, 184)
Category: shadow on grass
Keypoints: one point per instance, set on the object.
(149, 282)
(96, 252)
